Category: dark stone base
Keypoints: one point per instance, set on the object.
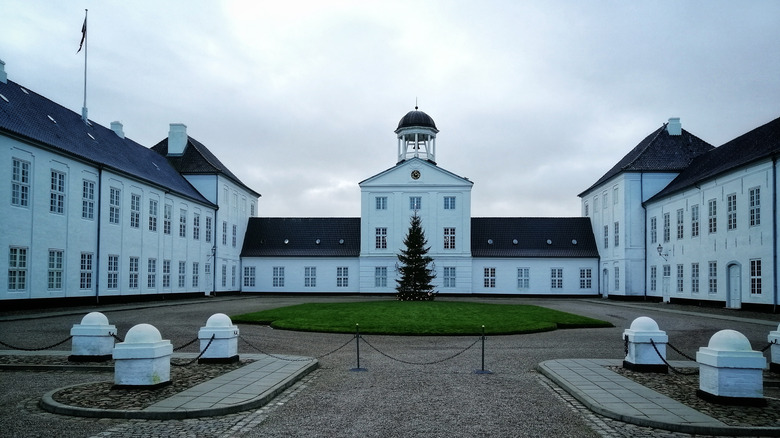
(84, 358)
(736, 401)
(157, 386)
(232, 359)
(774, 367)
(646, 368)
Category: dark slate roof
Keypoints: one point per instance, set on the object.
(760, 143)
(416, 119)
(658, 152)
(265, 237)
(197, 159)
(532, 235)
(34, 118)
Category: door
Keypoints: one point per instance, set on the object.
(604, 283)
(666, 282)
(734, 294)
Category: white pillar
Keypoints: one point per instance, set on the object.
(774, 359)
(730, 371)
(143, 359)
(642, 355)
(92, 339)
(224, 347)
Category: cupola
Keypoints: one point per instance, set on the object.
(416, 136)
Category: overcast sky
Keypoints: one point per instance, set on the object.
(534, 100)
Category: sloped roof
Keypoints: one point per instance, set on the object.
(428, 163)
(658, 152)
(197, 159)
(302, 237)
(34, 118)
(760, 143)
(567, 237)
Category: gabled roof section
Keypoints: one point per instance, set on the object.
(760, 143)
(532, 237)
(658, 152)
(197, 159)
(302, 237)
(33, 118)
(415, 160)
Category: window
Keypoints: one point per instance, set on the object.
(233, 276)
(85, 277)
(415, 203)
(151, 270)
(490, 277)
(166, 271)
(182, 223)
(556, 277)
(713, 278)
(207, 270)
(278, 276)
(224, 275)
(182, 274)
(132, 280)
(694, 278)
(208, 229)
(449, 238)
(310, 276)
(196, 274)
(449, 276)
(381, 202)
(604, 195)
(667, 227)
(695, 220)
(667, 271)
(596, 204)
(680, 278)
(167, 217)
(755, 206)
(615, 197)
(523, 278)
(680, 228)
(224, 233)
(152, 215)
(87, 200)
(381, 238)
(731, 211)
(342, 276)
(586, 209)
(712, 215)
(653, 277)
(755, 277)
(55, 270)
(380, 276)
(235, 235)
(113, 272)
(135, 210)
(20, 184)
(114, 202)
(653, 230)
(449, 203)
(195, 226)
(617, 234)
(249, 276)
(585, 278)
(617, 278)
(606, 236)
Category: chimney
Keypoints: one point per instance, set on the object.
(674, 127)
(177, 139)
(117, 128)
(3, 74)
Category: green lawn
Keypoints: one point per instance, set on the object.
(418, 318)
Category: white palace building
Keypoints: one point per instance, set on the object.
(89, 214)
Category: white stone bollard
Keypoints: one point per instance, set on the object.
(143, 359)
(224, 347)
(641, 355)
(730, 371)
(774, 357)
(92, 339)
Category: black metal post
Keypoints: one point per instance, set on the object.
(483, 370)
(357, 346)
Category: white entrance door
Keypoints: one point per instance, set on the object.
(666, 282)
(734, 298)
(605, 283)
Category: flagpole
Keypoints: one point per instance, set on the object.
(84, 108)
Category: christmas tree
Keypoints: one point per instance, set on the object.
(415, 282)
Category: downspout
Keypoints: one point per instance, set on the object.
(644, 227)
(97, 250)
(774, 233)
(214, 248)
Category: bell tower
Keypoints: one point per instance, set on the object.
(416, 137)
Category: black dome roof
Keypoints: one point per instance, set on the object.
(416, 118)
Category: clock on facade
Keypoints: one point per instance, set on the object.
(415, 174)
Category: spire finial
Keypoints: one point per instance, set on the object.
(415, 103)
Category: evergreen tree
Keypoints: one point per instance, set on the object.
(415, 282)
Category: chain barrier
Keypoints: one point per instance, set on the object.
(676, 350)
(293, 360)
(187, 344)
(774, 341)
(113, 335)
(199, 356)
(421, 363)
(684, 373)
(37, 349)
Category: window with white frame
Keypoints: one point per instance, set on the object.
(195, 226)
(489, 279)
(755, 206)
(380, 276)
(233, 276)
(55, 270)
(694, 278)
(586, 281)
(249, 276)
(587, 212)
(85, 274)
(182, 223)
(449, 238)
(617, 278)
(695, 220)
(195, 274)
(135, 210)
(755, 277)
(235, 235)
(57, 196)
(87, 199)
(167, 218)
(595, 204)
(132, 279)
(653, 230)
(680, 278)
(617, 234)
(449, 276)
(342, 276)
(208, 229)
(615, 197)
(224, 232)
(224, 275)
(606, 236)
(182, 274)
(114, 203)
(381, 238)
(556, 276)
(523, 278)
(310, 276)
(667, 227)
(381, 202)
(712, 215)
(449, 203)
(713, 277)
(415, 203)
(166, 274)
(20, 183)
(151, 273)
(113, 272)
(731, 211)
(653, 277)
(278, 276)
(152, 215)
(680, 226)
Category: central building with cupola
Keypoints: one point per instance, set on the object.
(498, 255)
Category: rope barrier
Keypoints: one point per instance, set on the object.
(199, 356)
(421, 363)
(37, 349)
